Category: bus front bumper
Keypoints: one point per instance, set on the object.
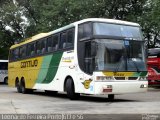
(120, 87)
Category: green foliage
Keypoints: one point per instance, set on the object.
(26, 18)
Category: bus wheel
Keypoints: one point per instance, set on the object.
(22, 85)
(6, 80)
(18, 86)
(71, 90)
(24, 89)
(111, 97)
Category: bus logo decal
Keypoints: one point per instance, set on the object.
(29, 63)
(86, 83)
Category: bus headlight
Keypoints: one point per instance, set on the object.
(142, 78)
(104, 78)
(143, 86)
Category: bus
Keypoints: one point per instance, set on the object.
(94, 56)
(4, 71)
(153, 63)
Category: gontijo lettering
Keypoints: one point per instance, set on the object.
(29, 63)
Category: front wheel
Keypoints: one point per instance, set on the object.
(70, 89)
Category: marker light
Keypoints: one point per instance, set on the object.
(143, 86)
(107, 88)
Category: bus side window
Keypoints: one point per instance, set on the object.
(50, 44)
(62, 43)
(43, 46)
(31, 49)
(84, 30)
(22, 52)
(16, 53)
(39, 47)
(55, 42)
(70, 38)
(11, 55)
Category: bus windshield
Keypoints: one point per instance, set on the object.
(119, 55)
(117, 30)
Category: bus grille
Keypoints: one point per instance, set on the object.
(126, 78)
(119, 78)
(132, 78)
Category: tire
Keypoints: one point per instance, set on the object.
(6, 80)
(24, 89)
(111, 97)
(71, 90)
(17, 84)
(22, 85)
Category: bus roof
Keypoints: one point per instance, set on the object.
(27, 40)
(42, 35)
(113, 21)
(3, 60)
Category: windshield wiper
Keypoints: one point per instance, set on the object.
(136, 66)
(119, 64)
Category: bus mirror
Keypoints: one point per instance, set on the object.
(93, 49)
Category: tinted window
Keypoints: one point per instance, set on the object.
(70, 38)
(85, 30)
(16, 53)
(31, 49)
(50, 44)
(11, 55)
(22, 52)
(3, 65)
(117, 30)
(63, 41)
(55, 42)
(41, 46)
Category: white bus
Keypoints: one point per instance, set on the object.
(4, 71)
(92, 56)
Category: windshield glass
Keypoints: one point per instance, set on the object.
(120, 55)
(117, 30)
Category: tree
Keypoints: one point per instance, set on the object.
(20, 19)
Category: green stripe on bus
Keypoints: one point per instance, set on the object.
(44, 68)
(137, 74)
(143, 73)
(53, 66)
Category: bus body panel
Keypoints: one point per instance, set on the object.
(65, 62)
(27, 69)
